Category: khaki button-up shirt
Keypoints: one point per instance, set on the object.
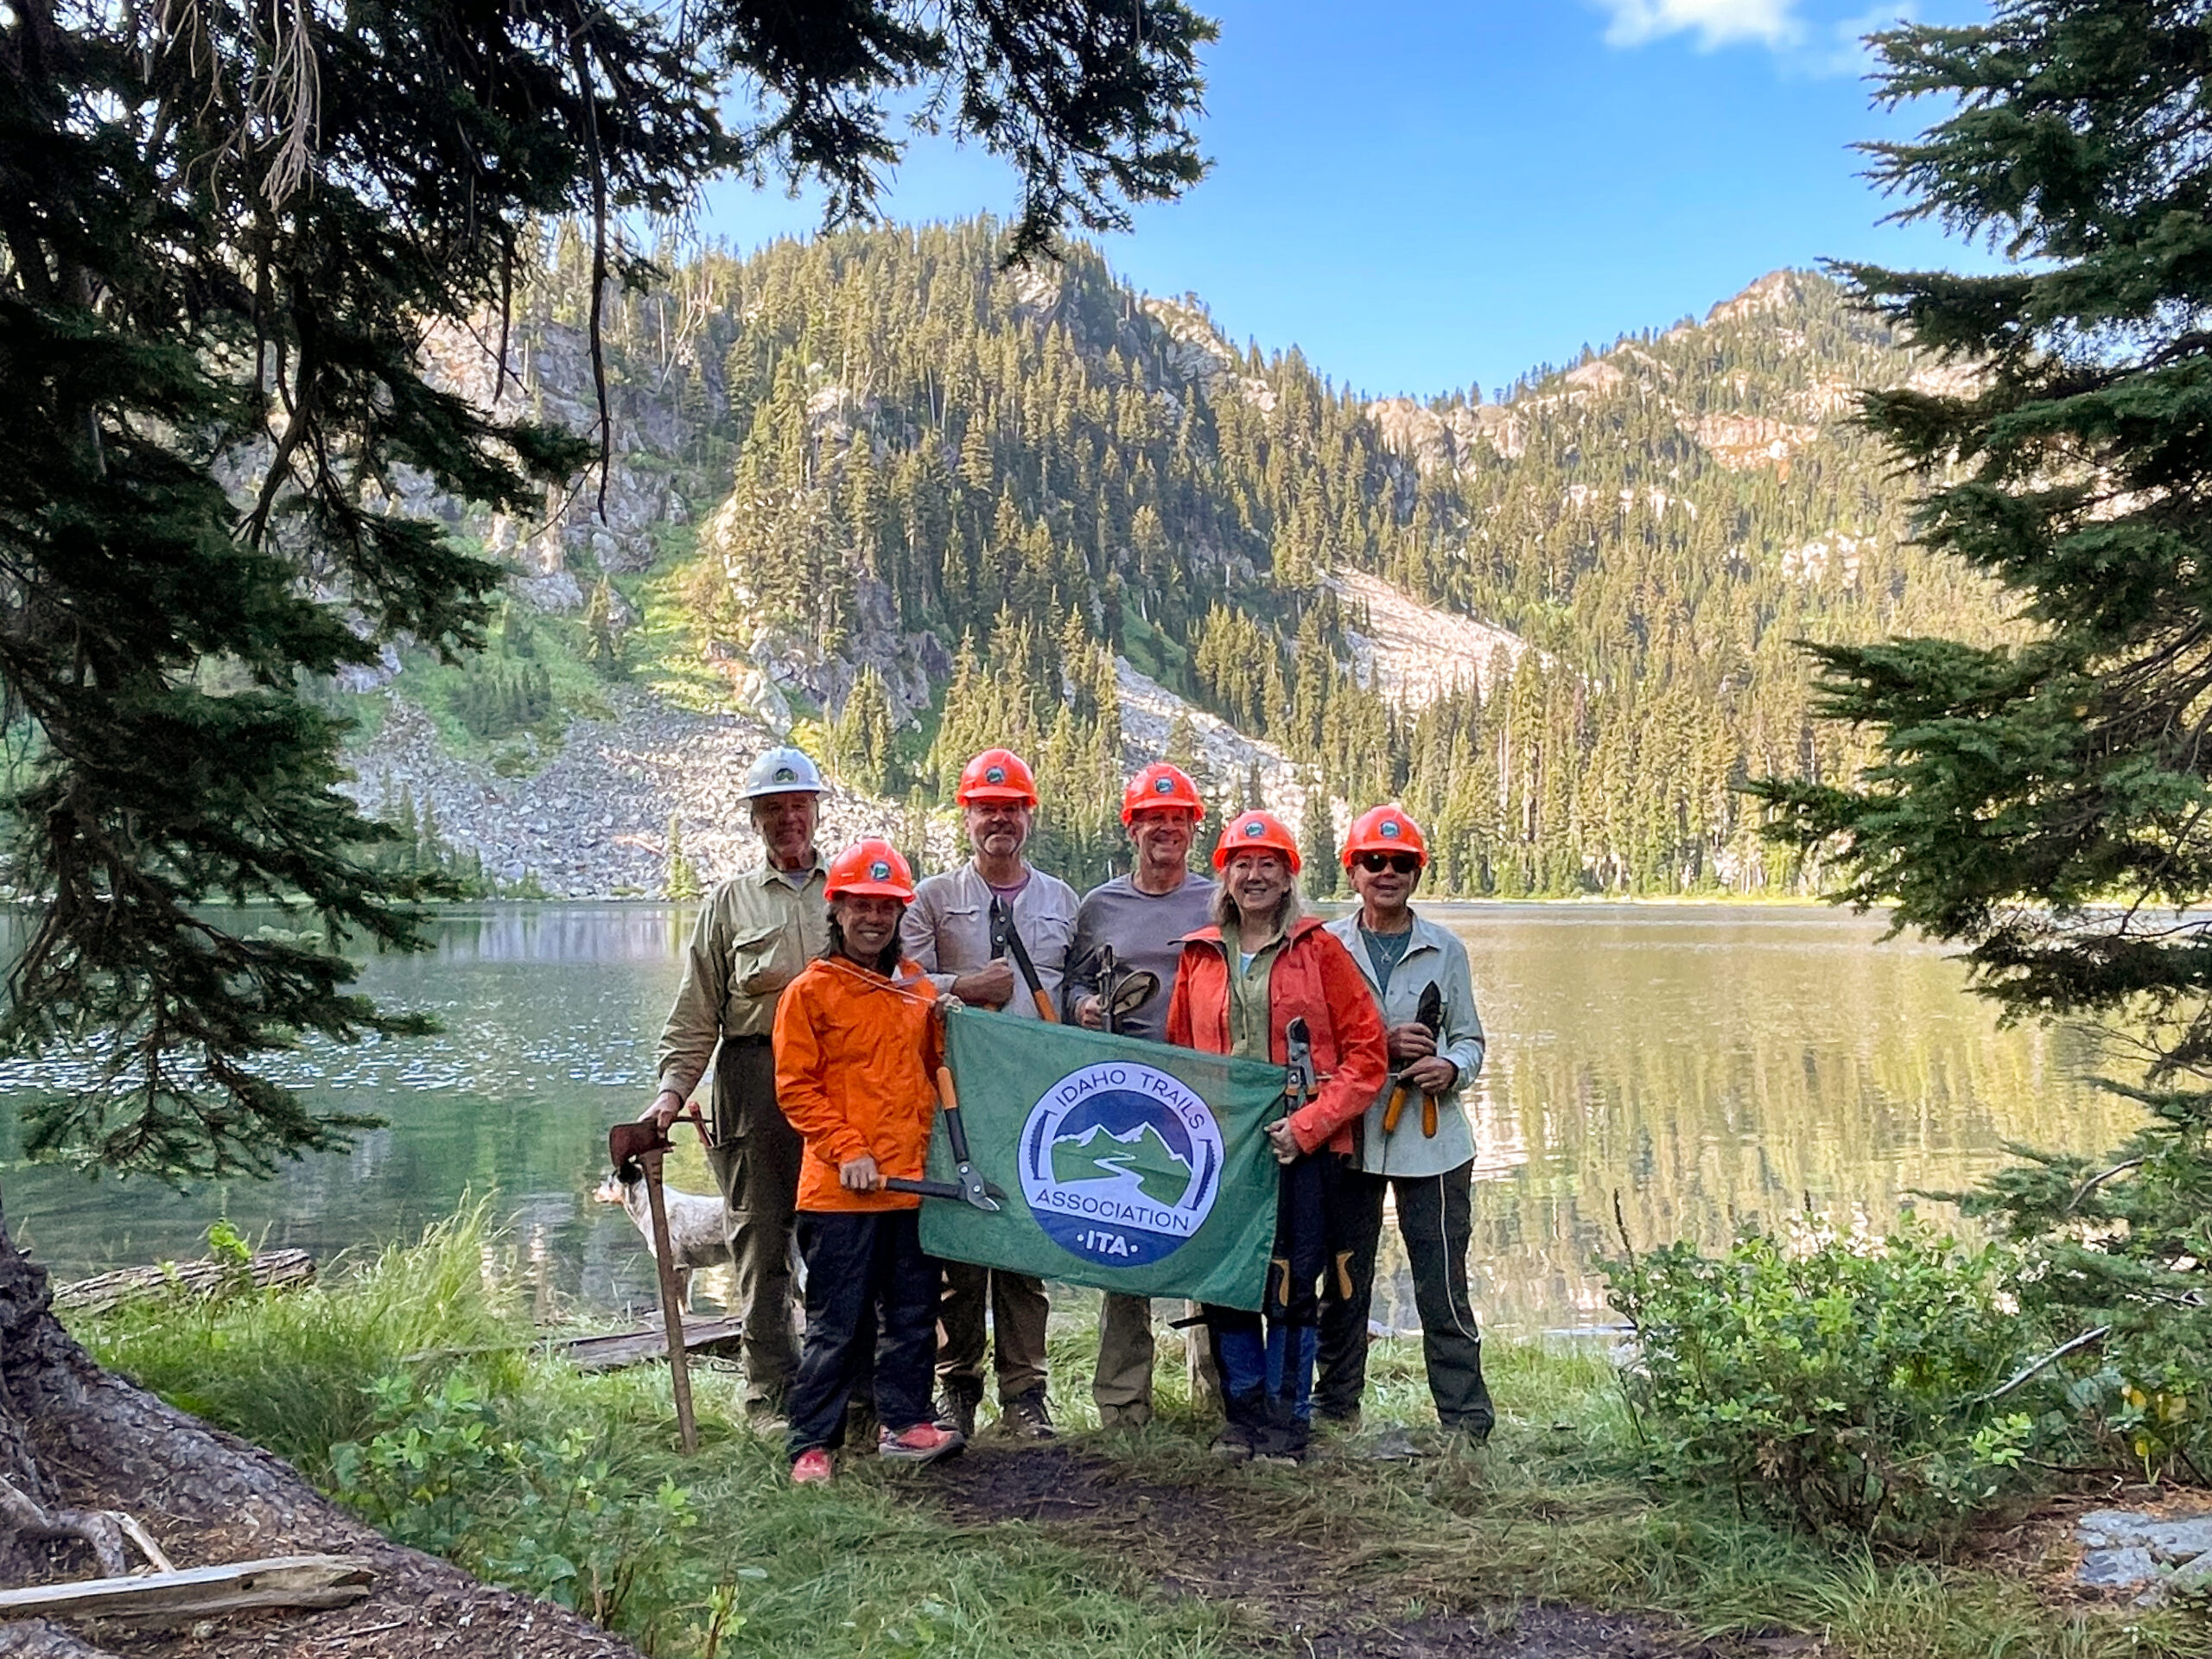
(755, 933)
(948, 929)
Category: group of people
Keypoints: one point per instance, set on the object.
(813, 989)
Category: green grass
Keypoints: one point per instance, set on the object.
(528, 1468)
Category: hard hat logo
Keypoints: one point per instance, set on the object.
(1388, 828)
(1163, 785)
(783, 771)
(879, 871)
(1253, 832)
(995, 775)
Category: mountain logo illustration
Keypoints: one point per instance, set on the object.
(1121, 1163)
(1096, 1154)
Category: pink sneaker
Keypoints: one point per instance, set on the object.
(923, 1443)
(812, 1467)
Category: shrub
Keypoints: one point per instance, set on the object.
(548, 1510)
(1841, 1380)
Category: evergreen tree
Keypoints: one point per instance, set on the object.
(2045, 802)
(1316, 842)
(682, 883)
(197, 199)
(603, 632)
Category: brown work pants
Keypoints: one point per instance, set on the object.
(755, 1160)
(1121, 1385)
(1017, 1310)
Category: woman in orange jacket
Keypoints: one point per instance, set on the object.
(857, 1043)
(1239, 985)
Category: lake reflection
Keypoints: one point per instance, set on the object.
(1711, 1066)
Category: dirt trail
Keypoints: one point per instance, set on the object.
(1314, 1573)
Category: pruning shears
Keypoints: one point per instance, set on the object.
(1005, 940)
(1122, 992)
(971, 1188)
(1428, 1013)
(1298, 1057)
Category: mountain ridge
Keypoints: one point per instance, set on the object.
(1558, 625)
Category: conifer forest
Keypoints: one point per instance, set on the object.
(935, 470)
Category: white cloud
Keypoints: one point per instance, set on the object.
(1715, 22)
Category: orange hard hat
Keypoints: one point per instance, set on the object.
(1261, 832)
(996, 775)
(1385, 830)
(1160, 785)
(874, 869)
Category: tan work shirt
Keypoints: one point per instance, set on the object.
(948, 929)
(755, 934)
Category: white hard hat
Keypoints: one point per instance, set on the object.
(782, 771)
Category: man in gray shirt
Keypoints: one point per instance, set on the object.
(949, 930)
(1142, 917)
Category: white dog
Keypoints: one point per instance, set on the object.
(694, 1223)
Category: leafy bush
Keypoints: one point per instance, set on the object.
(2118, 1255)
(548, 1510)
(1842, 1380)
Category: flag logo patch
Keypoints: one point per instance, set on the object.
(1121, 1164)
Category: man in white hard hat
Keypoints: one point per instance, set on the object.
(754, 934)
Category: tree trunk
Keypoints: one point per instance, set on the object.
(74, 1439)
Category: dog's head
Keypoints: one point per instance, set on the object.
(618, 1187)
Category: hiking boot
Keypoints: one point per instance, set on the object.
(923, 1443)
(1125, 1418)
(956, 1410)
(1233, 1444)
(812, 1467)
(1027, 1417)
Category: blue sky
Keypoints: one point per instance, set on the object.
(1421, 193)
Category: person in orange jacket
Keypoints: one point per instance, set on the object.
(857, 1045)
(1239, 985)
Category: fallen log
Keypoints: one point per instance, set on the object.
(617, 1348)
(199, 1591)
(264, 1270)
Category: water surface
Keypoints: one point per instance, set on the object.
(1710, 1066)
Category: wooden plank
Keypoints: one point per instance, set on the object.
(199, 1591)
(266, 1269)
(620, 1348)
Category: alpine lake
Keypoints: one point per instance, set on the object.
(1679, 1070)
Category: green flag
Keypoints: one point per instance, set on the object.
(1131, 1166)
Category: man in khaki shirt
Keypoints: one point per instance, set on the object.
(948, 930)
(754, 933)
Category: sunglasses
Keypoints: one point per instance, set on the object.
(1403, 863)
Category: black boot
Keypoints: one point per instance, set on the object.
(1246, 1429)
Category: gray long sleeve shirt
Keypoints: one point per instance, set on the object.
(948, 929)
(1431, 955)
(1146, 929)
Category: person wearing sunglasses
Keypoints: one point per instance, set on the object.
(1423, 1154)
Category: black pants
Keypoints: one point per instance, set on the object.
(1436, 1217)
(871, 1301)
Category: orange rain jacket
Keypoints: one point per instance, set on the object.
(856, 1059)
(1314, 976)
